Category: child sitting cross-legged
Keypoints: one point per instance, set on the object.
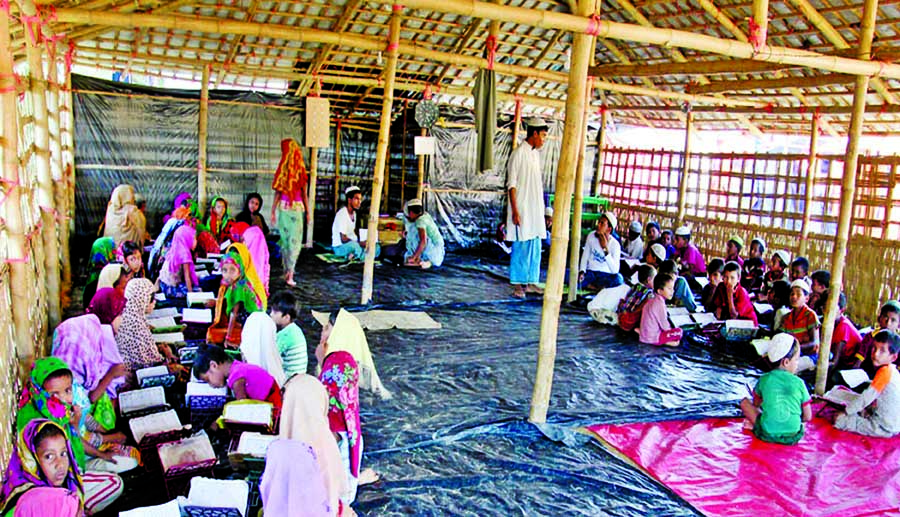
(631, 307)
(290, 339)
(731, 301)
(655, 326)
(803, 324)
(888, 319)
(246, 381)
(780, 402)
(877, 410)
(714, 270)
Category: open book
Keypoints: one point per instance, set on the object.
(200, 298)
(153, 371)
(169, 337)
(189, 315)
(162, 313)
(136, 400)
(164, 322)
(170, 509)
(219, 493)
(763, 308)
(202, 389)
(254, 413)
(841, 395)
(196, 449)
(855, 377)
(154, 424)
(255, 444)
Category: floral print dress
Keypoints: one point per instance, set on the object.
(340, 375)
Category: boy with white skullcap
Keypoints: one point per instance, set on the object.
(780, 401)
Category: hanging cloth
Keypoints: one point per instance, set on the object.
(485, 93)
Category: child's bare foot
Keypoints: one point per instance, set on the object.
(748, 426)
(117, 437)
(368, 476)
(518, 291)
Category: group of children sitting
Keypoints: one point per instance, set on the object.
(71, 449)
(780, 298)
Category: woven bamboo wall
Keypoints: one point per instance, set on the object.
(764, 195)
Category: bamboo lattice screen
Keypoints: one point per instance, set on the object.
(764, 195)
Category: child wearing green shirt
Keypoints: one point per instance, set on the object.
(290, 340)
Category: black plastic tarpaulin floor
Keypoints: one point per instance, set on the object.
(455, 440)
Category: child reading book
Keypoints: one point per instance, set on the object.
(889, 319)
(42, 467)
(655, 326)
(682, 292)
(803, 324)
(876, 412)
(290, 339)
(780, 401)
(731, 301)
(714, 270)
(246, 381)
(630, 308)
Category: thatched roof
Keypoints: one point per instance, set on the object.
(777, 97)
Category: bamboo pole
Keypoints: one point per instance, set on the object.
(385, 198)
(420, 186)
(654, 36)
(813, 81)
(575, 100)
(761, 19)
(16, 251)
(381, 154)
(578, 206)
(37, 89)
(311, 197)
(70, 154)
(337, 165)
(721, 66)
(403, 158)
(202, 135)
(60, 185)
(517, 123)
(685, 168)
(811, 173)
(848, 195)
(270, 30)
(601, 145)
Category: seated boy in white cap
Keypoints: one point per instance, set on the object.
(802, 324)
(424, 242)
(781, 401)
(688, 256)
(600, 257)
(344, 242)
(634, 245)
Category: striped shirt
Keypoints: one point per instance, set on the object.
(801, 323)
(292, 347)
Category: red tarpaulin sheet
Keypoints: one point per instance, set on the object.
(721, 470)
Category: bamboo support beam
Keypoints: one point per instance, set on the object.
(420, 185)
(721, 66)
(381, 154)
(311, 195)
(60, 185)
(202, 136)
(578, 207)
(219, 26)
(812, 170)
(601, 145)
(70, 154)
(875, 109)
(45, 200)
(16, 247)
(834, 37)
(349, 10)
(517, 123)
(848, 195)
(761, 19)
(655, 36)
(685, 169)
(337, 165)
(575, 101)
(772, 84)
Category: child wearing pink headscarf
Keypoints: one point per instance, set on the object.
(255, 241)
(177, 276)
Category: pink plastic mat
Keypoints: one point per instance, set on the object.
(721, 470)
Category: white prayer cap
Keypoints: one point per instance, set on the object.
(780, 347)
(536, 123)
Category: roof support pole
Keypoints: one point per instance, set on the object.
(565, 179)
(381, 154)
(848, 194)
(202, 131)
(812, 170)
(685, 168)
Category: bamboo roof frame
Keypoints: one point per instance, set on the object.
(651, 56)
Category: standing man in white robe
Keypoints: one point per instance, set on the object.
(525, 225)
